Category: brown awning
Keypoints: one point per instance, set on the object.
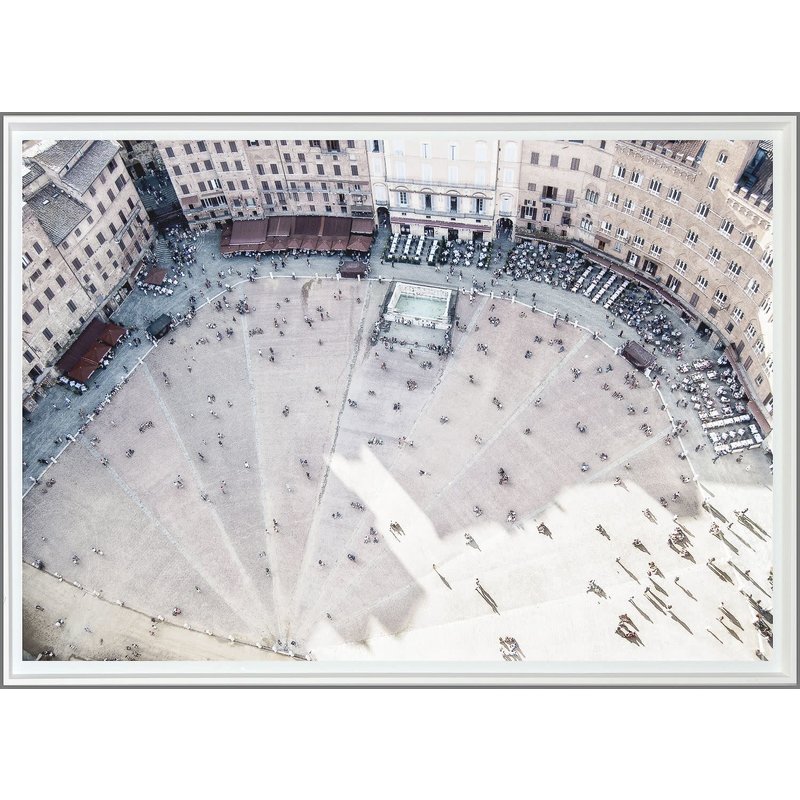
(249, 231)
(308, 225)
(325, 243)
(82, 371)
(362, 225)
(112, 333)
(758, 416)
(336, 226)
(340, 242)
(360, 244)
(276, 243)
(309, 243)
(87, 338)
(280, 226)
(228, 249)
(294, 242)
(97, 352)
(155, 277)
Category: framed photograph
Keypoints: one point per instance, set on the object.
(452, 400)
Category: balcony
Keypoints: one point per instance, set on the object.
(419, 182)
(435, 213)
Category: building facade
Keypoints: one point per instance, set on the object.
(84, 234)
(217, 181)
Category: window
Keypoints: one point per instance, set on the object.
(673, 284)
(750, 331)
(655, 250)
(403, 198)
(607, 226)
(238, 165)
(47, 335)
(597, 171)
(636, 178)
(674, 195)
(613, 199)
(629, 206)
(759, 379)
(722, 158)
(726, 228)
(332, 145)
(713, 182)
(201, 146)
(218, 146)
(737, 315)
(638, 241)
(592, 196)
(575, 164)
(27, 318)
(618, 172)
(234, 148)
(62, 283)
(170, 152)
(702, 282)
(553, 161)
(225, 167)
(702, 210)
(646, 215)
(453, 202)
(337, 169)
(691, 238)
(767, 260)
(245, 185)
(714, 255)
(320, 169)
(720, 298)
(602, 144)
(655, 186)
(479, 205)
(768, 364)
(569, 197)
(734, 269)
(759, 347)
(680, 266)
(534, 158)
(747, 242)
(586, 224)
(766, 304)
(752, 288)
(622, 234)
(354, 169)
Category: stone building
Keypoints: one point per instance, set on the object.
(217, 181)
(440, 186)
(84, 234)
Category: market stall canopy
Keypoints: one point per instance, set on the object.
(160, 326)
(336, 226)
(352, 269)
(155, 277)
(637, 355)
(340, 242)
(309, 243)
(294, 242)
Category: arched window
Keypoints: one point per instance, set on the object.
(510, 151)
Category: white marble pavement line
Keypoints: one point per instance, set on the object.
(246, 581)
(523, 406)
(208, 577)
(70, 438)
(314, 527)
(261, 453)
